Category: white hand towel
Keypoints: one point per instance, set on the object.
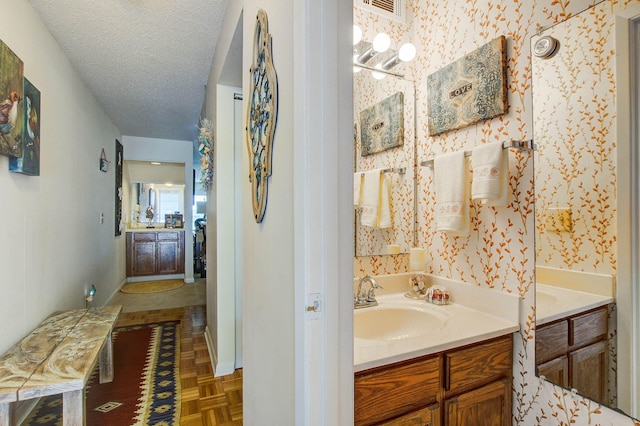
(376, 212)
(357, 185)
(490, 174)
(452, 193)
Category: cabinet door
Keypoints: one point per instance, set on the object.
(429, 416)
(588, 371)
(556, 371)
(489, 405)
(144, 258)
(170, 253)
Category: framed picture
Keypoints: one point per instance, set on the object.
(119, 192)
(471, 89)
(28, 162)
(173, 221)
(382, 125)
(11, 94)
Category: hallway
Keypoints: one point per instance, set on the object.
(205, 400)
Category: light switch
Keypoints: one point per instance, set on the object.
(314, 306)
(558, 219)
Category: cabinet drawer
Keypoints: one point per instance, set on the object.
(552, 341)
(168, 236)
(396, 390)
(588, 328)
(144, 236)
(476, 365)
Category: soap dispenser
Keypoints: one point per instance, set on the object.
(417, 274)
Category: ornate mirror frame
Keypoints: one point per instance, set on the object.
(262, 115)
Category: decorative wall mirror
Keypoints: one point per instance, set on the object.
(262, 115)
(385, 109)
(574, 110)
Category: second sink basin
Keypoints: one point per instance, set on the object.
(396, 322)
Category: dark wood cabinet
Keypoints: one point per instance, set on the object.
(573, 352)
(447, 388)
(155, 253)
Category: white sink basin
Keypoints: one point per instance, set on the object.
(396, 323)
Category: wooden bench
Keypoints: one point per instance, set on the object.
(58, 358)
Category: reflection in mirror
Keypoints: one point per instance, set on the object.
(159, 186)
(575, 183)
(385, 109)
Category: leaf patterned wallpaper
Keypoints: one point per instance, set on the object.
(499, 253)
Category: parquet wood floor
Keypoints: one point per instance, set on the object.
(206, 400)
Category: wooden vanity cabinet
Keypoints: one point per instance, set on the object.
(155, 253)
(470, 385)
(572, 352)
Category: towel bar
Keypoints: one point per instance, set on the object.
(401, 170)
(526, 145)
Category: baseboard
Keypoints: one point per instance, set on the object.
(189, 280)
(155, 277)
(115, 292)
(222, 369)
(212, 353)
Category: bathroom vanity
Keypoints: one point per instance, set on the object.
(419, 363)
(572, 340)
(453, 387)
(153, 252)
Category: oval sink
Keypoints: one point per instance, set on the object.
(395, 323)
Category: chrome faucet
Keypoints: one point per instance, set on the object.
(364, 298)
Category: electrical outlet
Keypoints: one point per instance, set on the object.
(101, 218)
(559, 220)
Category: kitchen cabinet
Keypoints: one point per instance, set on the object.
(155, 253)
(446, 388)
(573, 352)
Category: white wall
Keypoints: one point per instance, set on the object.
(52, 244)
(297, 371)
(221, 312)
(151, 149)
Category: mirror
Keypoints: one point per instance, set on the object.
(374, 98)
(574, 110)
(160, 186)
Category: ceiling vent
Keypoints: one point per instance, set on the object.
(394, 9)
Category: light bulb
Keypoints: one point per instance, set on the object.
(357, 34)
(381, 42)
(378, 75)
(407, 52)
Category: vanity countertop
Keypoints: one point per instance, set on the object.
(158, 229)
(458, 325)
(553, 302)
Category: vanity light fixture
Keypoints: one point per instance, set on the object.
(155, 163)
(357, 34)
(377, 56)
(406, 54)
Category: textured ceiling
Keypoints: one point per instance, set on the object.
(146, 61)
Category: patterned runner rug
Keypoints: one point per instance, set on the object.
(146, 385)
(155, 286)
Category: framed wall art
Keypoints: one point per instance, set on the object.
(382, 125)
(28, 162)
(11, 94)
(469, 90)
(119, 192)
(262, 115)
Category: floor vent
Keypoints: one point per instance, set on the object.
(394, 9)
